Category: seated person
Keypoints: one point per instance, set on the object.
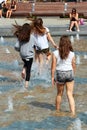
(74, 21)
(11, 9)
(1, 4)
(5, 8)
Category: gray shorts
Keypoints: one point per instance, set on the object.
(64, 76)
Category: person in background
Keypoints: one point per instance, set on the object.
(63, 64)
(25, 46)
(42, 38)
(11, 9)
(5, 9)
(74, 20)
(1, 6)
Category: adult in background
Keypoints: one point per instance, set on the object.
(11, 9)
(5, 9)
(1, 6)
(63, 64)
(74, 20)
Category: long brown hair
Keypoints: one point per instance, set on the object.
(13, 2)
(23, 32)
(38, 26)
(64, 47)
(73, 11)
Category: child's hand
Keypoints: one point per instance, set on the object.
(56, 47)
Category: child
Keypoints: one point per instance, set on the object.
(5, 8)
(25, 47)
(74, 20)
(42, 38)
(11, 9)
(63, 63)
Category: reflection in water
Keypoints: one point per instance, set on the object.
(35, 108)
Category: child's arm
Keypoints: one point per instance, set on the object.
(49, 37)
(74, 64)
(53, 69)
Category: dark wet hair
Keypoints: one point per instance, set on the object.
(38, 26)
(65, 47)
(23, 32)
(73, 10)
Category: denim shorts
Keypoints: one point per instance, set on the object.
(64, 76)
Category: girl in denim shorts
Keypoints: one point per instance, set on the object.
(63, 64)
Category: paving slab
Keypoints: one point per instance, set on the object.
(57, 26)
(47, 21)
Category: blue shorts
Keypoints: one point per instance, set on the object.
(64, 76)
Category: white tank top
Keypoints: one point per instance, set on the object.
(64, 65)
(41, 40)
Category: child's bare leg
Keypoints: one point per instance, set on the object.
(69, 90)
(60, 90)
(72, 24)
(23, 73)
(40, 62)
(77, 26)
(36, 57)
(48, 57)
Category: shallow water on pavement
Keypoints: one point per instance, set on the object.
(35, 109)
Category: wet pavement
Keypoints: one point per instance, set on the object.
(35, 109)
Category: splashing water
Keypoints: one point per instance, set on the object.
(15, 64)
(85, 56)
(2, 39)
(78, 59)
(7, 51)
(72, 39)
(10, 104)
(76, 124)
(77, 36)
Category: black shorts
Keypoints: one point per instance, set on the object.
(64, 76)
(46, 51)
(73, 19)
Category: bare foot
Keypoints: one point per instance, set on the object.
(72, 115)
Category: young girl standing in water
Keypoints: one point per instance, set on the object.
(63, 63)
(25, 46)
